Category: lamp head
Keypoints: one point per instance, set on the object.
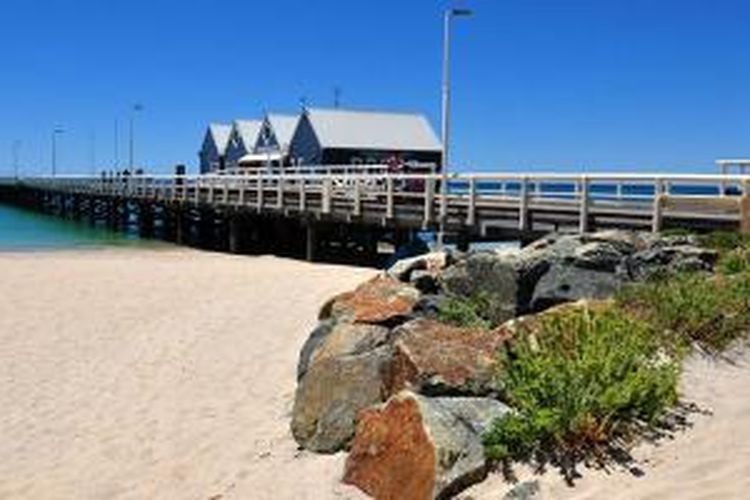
(461, 12)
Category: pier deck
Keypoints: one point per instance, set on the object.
(477, 207)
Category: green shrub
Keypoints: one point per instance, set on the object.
(735, 261)
(688, 309)
(470, 312)
(581, 383)
(724, 241)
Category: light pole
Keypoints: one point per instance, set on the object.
(445, 122)
(136, 108)
(55, 132)
(16, 154)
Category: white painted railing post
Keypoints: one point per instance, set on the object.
(327, 193)
(523, 205)
(389, 203)
(259, 192)
(472, 208)
(242, 196)
(444, 200)
(583, 200)
(197, 194)
(745, 207)
(280, 192)
(429, 201)
(656, 216)
(225, 196)
(302, 195)
(357, 208)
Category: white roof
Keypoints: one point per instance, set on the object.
(283, 128)
(219, 133)
(338, 128)
(248, 131)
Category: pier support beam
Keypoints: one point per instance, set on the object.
(145, 220)
(234, 235)
(311, 242)
(463, 242)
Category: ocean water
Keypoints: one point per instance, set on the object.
(22, 230)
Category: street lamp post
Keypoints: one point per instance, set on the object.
(55, 132)
(16, 154)
(445, 122)
(136, 108)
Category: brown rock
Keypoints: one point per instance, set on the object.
(417, 448)
(378, 300)
(437, 359)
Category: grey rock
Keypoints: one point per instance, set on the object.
(570, 283)
(663, 258)
(337, 338)
(330, 395)
(432, 262)
(455, 426)
(429, 306)
(487, 274)
(424, 281)
(313, 341)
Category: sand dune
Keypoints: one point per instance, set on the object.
(170, 374)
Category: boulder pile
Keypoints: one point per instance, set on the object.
(410, 396)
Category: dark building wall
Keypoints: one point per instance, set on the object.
(340, 156)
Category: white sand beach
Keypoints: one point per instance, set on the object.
(170, 374)
(157, 374)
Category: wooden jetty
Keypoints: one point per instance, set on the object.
(316, 211)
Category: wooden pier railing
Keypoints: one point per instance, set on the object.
(482, 205)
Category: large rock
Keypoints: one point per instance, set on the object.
(563, 283)
(564, 268)
(379, 300)
(432, 262)
(487, 275)
(597, 251)
(331, 393)
(332, 338)
(664, 257)
(421, 448)
(437, 359)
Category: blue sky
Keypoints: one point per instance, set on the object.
(647, 85)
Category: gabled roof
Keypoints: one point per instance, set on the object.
(283, 127)
(247, 131)
(338, 128)
(219, 133)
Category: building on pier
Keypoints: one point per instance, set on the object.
(274, 141)
(341, 137)
(242, 141)
(323, 137)
(214, 149)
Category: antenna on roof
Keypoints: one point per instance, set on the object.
(303, 103)
(336, 97)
